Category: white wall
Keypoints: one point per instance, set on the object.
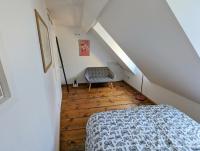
(151, 36)
(161, 95)
(30, 118)
(187, 13)
(75, 65)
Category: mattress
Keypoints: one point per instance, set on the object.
(144, 128)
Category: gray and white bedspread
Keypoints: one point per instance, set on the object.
(145, 128)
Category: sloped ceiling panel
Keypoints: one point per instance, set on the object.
(111, 52)
(66, 12)
(91, 10)
(151, 35)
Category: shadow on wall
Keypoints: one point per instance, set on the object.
(80, 78)
(117, 70)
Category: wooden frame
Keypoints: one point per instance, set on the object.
(4, 89)
(44, 40)
(1, 92)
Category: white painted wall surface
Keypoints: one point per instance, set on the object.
(75, 65)
(161, 95)
(151, 36)
(187, 13)
(30, 118)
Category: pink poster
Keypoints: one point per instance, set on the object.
(84, 47)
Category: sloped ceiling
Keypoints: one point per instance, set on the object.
(66, 12)
(91, 11)
(150, 34)
(186, 12)
(111, 52)
(80, 15)
(75, 13)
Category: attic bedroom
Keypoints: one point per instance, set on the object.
(91, 75)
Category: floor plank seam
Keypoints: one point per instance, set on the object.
(79, 104)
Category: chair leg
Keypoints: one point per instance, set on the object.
(90, 87)
(111, 85)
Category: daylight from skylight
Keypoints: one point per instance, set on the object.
(115, 47)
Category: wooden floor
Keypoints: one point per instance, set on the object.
(79, 104)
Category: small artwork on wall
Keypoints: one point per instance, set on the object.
(84, 48)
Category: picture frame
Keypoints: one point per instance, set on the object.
(1, 92)
(44, 41)
(4, 88)
(84, 47)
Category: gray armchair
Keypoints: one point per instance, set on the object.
(98, 75)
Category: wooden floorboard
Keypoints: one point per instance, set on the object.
(79, 104)
(88, 112)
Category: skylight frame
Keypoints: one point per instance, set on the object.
(115, 47)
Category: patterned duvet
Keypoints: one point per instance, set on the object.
(145, 128)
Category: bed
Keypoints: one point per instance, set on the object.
(144, 128)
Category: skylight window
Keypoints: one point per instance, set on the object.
(115, 47)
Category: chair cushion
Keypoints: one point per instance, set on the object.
(99, 75)
(98, 72)
(99, 79)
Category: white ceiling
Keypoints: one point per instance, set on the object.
(66, 12)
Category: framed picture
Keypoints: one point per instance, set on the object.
(44, 42)
(1, 92)
(84, 47)
(4, 89)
